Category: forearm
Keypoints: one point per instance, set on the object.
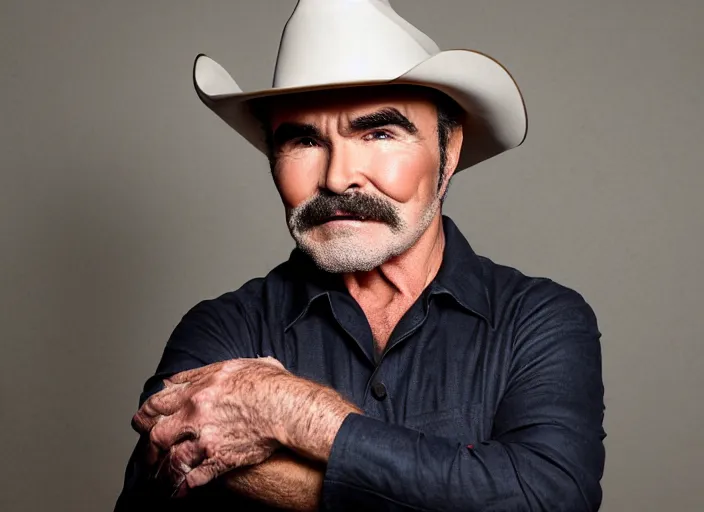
(374, 465)
(283, 481)
(308, 416)
(305, 417)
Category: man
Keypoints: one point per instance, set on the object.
(385, 366)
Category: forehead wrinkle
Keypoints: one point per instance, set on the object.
(343, 122)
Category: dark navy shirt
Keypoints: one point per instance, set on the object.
(488, 396)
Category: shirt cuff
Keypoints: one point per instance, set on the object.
(363, 463)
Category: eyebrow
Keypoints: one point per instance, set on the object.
(389, 116)
(385, 117)
(286, 132)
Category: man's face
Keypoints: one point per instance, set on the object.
(359, 173)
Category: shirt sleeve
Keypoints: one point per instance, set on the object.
(212, 331)
(545, 452)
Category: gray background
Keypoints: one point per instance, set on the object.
(123, 202)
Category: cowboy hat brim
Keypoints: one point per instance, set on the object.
(496, 122)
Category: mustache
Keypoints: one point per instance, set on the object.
(325, 206)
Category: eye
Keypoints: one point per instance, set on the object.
(378, 135)
(306, 142)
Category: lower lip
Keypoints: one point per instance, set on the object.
(344, 222)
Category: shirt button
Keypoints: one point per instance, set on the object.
(379, 390)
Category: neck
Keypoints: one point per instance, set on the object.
(404, 276)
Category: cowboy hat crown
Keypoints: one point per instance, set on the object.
(351, 31)
(344, 43)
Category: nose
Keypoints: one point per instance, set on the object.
(344, 170)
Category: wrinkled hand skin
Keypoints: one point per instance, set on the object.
(211, 420)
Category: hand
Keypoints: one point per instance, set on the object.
(211, 420)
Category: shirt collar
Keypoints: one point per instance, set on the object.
(461, 273)
(309, 284)
(460, 276)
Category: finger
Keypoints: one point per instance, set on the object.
(167, 401)
(204, 473)
(169, 430)
(152, 454)
(194, 374)
(166, 480)
(181, 459)
(143, 422)
(187, 454)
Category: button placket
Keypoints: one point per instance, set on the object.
(377, 399)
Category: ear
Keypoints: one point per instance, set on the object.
(454, 148)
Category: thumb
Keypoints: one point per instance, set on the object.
(204, 473)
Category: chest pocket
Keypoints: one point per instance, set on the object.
(453, 423)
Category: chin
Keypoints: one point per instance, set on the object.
(345, 265)
(350, 254)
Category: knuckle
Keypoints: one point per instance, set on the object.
(154, 438)
(219, 467)
(204, 398)
(211, 453)
(152, 403)
(202, 411)
(138, 423)
(219, 377)
(211, 448)
(157, 439)
(146, 409)
(192, 454)
(179, 455)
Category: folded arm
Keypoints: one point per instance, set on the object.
(545, 452)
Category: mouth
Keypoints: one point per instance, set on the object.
(342, 216)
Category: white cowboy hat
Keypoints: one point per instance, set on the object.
(342, 43)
